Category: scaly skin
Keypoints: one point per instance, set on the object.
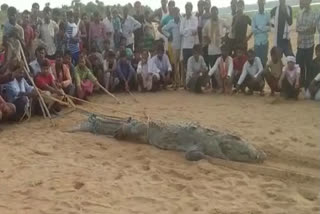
(196, 141)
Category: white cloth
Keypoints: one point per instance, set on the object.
(253, 70)
(15, 87)
(292, 75)
(47, 35)
(286, 32)
(128, 27)
(147, 74)
(215, 44)
(189, 32)
(216, 66)
(75, 28)
(108, 25)
(159, 66)
(195, 66)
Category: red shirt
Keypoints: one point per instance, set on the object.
(28, 35)
(41, 81)
(238, 63)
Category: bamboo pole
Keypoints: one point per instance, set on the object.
(43, 105)
(107, 92)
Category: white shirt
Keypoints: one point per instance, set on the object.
(215, 68)
(35, 67)
(189, 32)
(108, 25)
(47, 34)
(253, 70)
(195, 66)
(159, 66)
(317, 78)
(128, 27)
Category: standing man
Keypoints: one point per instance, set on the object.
(240, 25)
(204, 19)
(213, 32)
(129, 25)
(72, 37)
(12, 23)
(97, 33)
(260, 29)
(35, 16)
(107, 21)
(48, 31)
(189, 32)
(28, 31)
(172, 29)
(282, 16)
(306, 28)
(318, 26)
(138, 33)
(162, 11)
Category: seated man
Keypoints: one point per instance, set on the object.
(223, 71)
(7, 110)
(196, 71)
(125, 74)
(62, 75)
(273, 70)
(147, 80)
(12, 43)
(289, 82)
(84, 79)
(160, 64)
(313, 92)
(122, 47)
(19, 92)
(67, 60)
(252, 75)
(40, 58)
(109, 69)
(238, 62)
(316, 62)
(136, 59)
(96, 61)
(45, 82)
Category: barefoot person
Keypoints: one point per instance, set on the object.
(146, 78)
(313, 92)
(289, 82)
(125, 74)
(84, 79)
(252, 75)
(45, 82)
(196, 71)
(273, 70)
(7, 110)
(223, 71)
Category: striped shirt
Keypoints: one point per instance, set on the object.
(72, 32)
(306, 27)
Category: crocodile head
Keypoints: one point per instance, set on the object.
(234, 148)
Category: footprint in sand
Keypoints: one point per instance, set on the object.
(78, 185)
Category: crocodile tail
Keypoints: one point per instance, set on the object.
(82, 127)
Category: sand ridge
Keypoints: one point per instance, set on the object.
(45, 170)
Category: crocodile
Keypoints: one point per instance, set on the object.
(197, 142)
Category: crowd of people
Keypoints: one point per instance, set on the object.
(78, 53)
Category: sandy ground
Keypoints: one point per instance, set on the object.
(47, 171)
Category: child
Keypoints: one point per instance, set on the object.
(196, 71)
(45, 82)
(37, 42)
(109, 68)
(125, 74)
(289, 82)
(273, 70)
(129, 53)
(223, 71)
(84, 79)
(238, 62)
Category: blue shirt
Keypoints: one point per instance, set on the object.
(72, 44)
(124, 71)
(260, 28)
(15, 87)
(173, 29)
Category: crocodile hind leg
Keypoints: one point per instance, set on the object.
(195, 155)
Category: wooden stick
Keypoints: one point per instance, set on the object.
(107, 92)
(102, 106)
(44, 108)
(133, 97)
